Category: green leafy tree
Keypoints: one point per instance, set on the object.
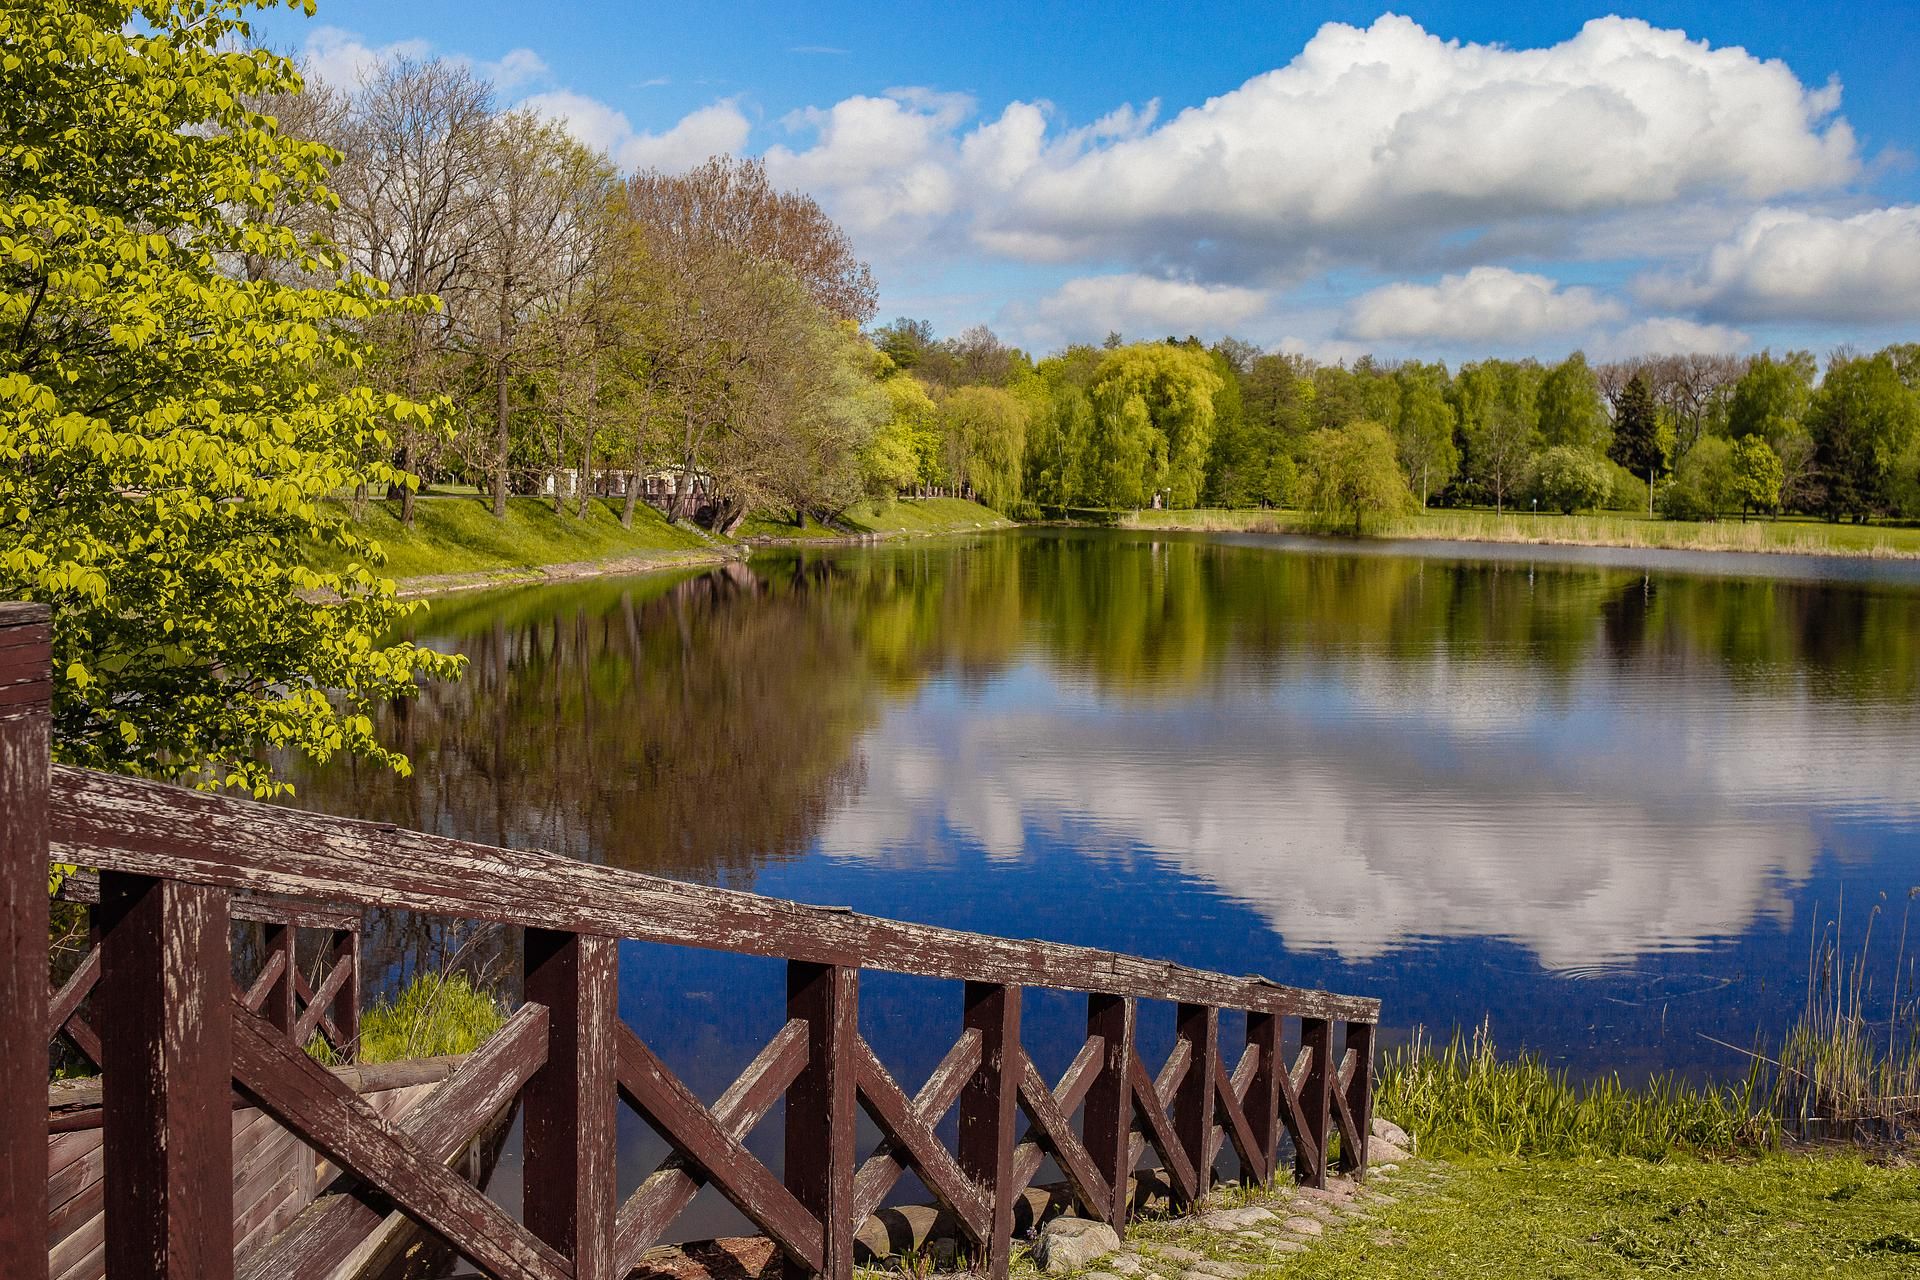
(1757, 475)
(1705, 482)
(1350, 477)
(1423, 428)
(1863, 419)
(1772, 396)
(170, 433)
(1639, 442)
(985, 430)
(1153, 422)
(1570, 479)
(1571, 412)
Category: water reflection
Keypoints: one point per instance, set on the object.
(1442, 779)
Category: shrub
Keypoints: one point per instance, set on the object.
(1570, 479)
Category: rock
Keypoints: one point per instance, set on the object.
(1303, 1226)
(1127, 1264)
(1101, 1275)
(1233, 1219)
(1068, 1244)
(1380, 1151)
(1219, 1270)
(1285, 1246)
(1388, 1131)
(1174, 1253)
(1385, 1168)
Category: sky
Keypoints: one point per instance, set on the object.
(1434, 181)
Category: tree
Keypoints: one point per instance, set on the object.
(1571, 412)
(1639, 444)
(1499, 420)
(985, 430)
(410, 187)
(905, 341)
(1772, 396)
(1423, 428)
(1863, 418)
(185, 425)
(1569, 479)
(1153, 423)
(1350, 477)
(1704, 482)
(1757, 475)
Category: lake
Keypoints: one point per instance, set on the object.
(1606, 801)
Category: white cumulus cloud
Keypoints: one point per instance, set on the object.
(1086, 309)
(883, 158)
(713, 129)
(1670, 335)
(1793, 265)
(1486, 304)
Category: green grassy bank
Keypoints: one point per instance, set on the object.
(1795, 535)
(455, 538)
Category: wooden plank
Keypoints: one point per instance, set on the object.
(936, 1097)
(308, 1099)
(900, 1120)
(84, 886)
(1238, 1131)
(1067, 1095)
(73, 992)
(318, 1010)
(277, 973)
(255, 997)
(136, 825)
(1357, 1092)
(669, 1106)
(1152, 1108)
(571, 1105)
(1293, 1113)
(25, 720)
(1056, 1134)
(1108, 1120)
(818, 1142)
(988, 1107)
(80, 1099)
(1263, 1090)
(1198, 1027)
(165, 990)
(1316, 1094)
(666, 1193)
(345, 1013)
(480, 1088)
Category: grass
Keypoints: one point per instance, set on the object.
(908, 516)
(1777, 1216)
(458, 534)
(1793, 535)
(437, 1013)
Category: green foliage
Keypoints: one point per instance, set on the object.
(1153, 407)
(435, 1014)
(1570, 410)
(1772, 396)
(1639, 443)
(985, 429)
(169, 431)
(1465, 1099)
(1864, 419)
(1569, 479)
(1757, 475)
(1704, 484)
(1350, 477)
(1423, 428)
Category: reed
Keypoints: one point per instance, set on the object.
(436, 1013)
(1465, 1099)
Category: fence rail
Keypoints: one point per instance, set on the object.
(175, 1043)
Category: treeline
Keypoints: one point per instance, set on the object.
(578, 330)
(1179, 424)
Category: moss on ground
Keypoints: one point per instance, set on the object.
(1796, 535)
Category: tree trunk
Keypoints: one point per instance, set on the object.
(586, 478)
(1650, 470)
(500, 421)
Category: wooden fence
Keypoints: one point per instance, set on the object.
(176, 1041)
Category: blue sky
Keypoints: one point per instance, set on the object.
(1448, 181)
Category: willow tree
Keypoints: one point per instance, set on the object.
(985, 433)
(1153, 422)
(172, 422)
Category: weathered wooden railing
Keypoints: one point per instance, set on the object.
(175, 1043)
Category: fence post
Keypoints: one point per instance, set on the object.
(820, 1132)
(25, 724)
(571, 1104)
(346, 1002)
(1108, 1123)
(1359, 1096)
(1198, 1025)
(1263, 1096)
(165, 1002)
(281, 1009)
(989, 1106)
(1316, 1098)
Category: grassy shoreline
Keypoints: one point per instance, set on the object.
(1609, 529)
(456, 544)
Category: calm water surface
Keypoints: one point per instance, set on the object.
(1604, 800)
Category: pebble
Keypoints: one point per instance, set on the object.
(1207, 1267)
(1126, 1264)
(1286, 1246)
(1174, 1253)
(1303, 1226)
